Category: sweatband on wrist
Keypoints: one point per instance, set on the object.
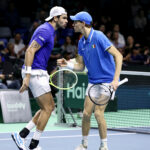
(28, 69)
(70, 65)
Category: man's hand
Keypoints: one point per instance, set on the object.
(62, 62)
(115, 84)
(25, 84)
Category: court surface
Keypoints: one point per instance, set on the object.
(69, 139)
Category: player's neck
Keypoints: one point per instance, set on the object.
(53, 24)
(86, 32)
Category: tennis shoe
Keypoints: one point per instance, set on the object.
(20, 142)
(103, 146)
(37, 148)
(82, 146)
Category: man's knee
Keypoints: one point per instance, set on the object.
(86, 115)
(48, 109)
(99, 115)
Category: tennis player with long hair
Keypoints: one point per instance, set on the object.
(103, 62)
(36, 77)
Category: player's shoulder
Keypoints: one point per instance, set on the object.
(98, 33)
(44, 28)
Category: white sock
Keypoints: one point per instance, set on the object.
(104, 142)
(85, 138)
(30, 125)
(37, 134)
(85, 141)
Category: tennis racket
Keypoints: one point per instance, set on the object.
(63, 79)
(100, 94)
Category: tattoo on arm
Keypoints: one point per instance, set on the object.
(34, 44)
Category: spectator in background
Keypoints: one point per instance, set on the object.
(107, 21)
(115, 40)
(102, 28)
(129, 46)
(140, 21)
(69, 49)
(109, 35)
(19, 47)
(136, 57)
(11, 52)
(130, 42)
(121, 39)
(7, 61)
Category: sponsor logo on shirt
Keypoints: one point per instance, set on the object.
(41, 38)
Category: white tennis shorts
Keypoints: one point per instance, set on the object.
(39, 82)
(100, 90)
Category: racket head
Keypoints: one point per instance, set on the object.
(63, 79)
(100, 94)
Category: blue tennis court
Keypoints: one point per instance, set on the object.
(69, 139)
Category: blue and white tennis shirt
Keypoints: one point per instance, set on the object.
(99, 62)
(43, 35)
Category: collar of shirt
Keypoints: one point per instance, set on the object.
(89, 37)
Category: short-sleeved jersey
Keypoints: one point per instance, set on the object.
(99, 62)
(43, 35)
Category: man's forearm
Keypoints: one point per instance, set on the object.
(29, 56)
(118, 62)
(78, 67)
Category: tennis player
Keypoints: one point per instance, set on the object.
(103, 62)
(36, 77)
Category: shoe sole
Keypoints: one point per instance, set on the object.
(15, 142)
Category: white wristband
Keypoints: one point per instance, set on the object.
(28, 69)
(70, 65)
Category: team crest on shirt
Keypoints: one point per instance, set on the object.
(93, 46)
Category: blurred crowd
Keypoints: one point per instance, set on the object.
(17, 27)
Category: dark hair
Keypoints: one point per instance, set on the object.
(53, 18)
(89, 26)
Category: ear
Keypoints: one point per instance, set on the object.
(55, 18)
(83, 23)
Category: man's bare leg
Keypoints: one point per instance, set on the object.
(99, 115)
(41, 118)
(88, 109)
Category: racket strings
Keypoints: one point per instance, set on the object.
(69, 79)
(64, 79)
(100, 94)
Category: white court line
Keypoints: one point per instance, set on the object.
(71, 136)
(78, 128)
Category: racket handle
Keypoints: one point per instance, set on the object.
(120, 83)
(123, 81)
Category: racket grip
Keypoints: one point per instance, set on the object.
(113, 95)
(120, 83)
(123, 81)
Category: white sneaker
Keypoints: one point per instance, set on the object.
(20, 142)
(37, 148)
(82, 146)
(103, 147)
